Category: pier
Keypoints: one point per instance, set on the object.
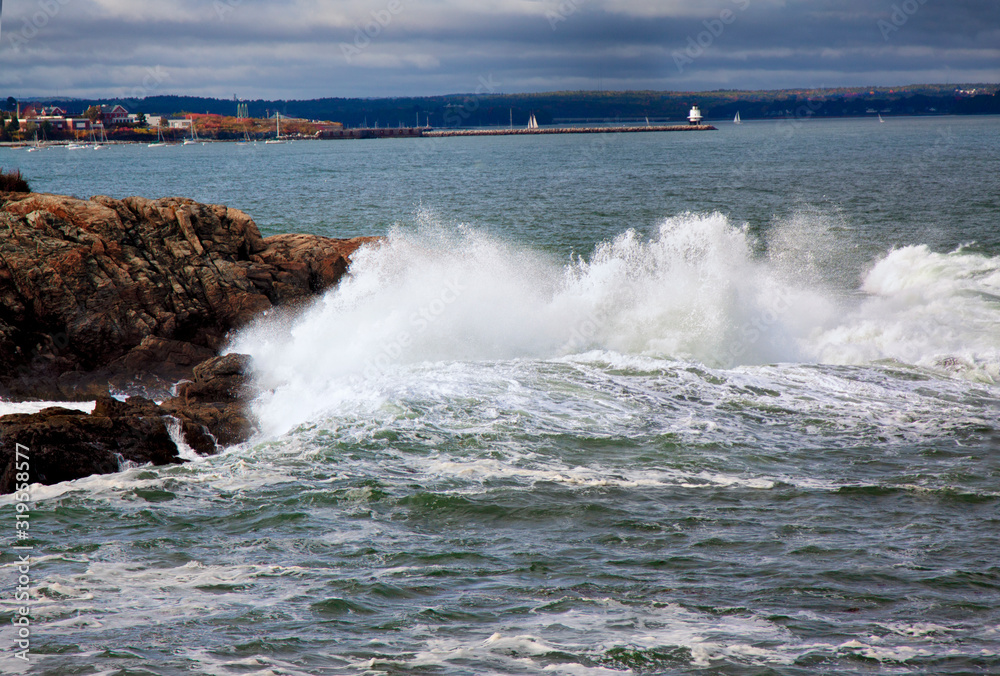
(569, 130)
(417, 132)
(369, 132)
(427, 132)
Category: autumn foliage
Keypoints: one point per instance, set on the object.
(222, 127)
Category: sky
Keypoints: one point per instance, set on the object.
(305, 49)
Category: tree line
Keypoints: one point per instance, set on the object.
(495, 109)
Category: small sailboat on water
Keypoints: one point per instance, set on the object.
(277, 132)
(737, 120)
(98, 143)
(532, 122)
(76, 145)
(160, 143)
(194, 136)
(246, 137)
(880, 120)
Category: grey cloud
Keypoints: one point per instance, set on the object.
(293, 48)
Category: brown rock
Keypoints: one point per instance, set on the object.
(136, 295)
(64, 444)
(131, 293)
(305, 262)
(208, 426)
(219, 379)
(209, 406)
(170, 359)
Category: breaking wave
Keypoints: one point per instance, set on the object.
(701, 289)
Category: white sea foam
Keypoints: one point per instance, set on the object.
(916, 630)
(695, 291)
(587, 477)
(435, 295)
(592, 627)
(9, 407)
(67, 604)
(923, 308)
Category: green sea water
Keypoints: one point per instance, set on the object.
(699, 403)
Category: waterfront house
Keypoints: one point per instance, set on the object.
(114, 115)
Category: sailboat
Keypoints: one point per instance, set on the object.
(246, 138)
(35, 148)
(76, 145)
(880, 120)
(194, 136)
(532, 122)
(95, 143)
(160, 143)
(737, 120)
(277, 132)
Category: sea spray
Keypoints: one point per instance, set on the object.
(926, 309)
(693, 291)
(701, 289)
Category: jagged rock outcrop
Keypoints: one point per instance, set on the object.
(136, 296)
(212, 404)
(64, 444)
(134, 292)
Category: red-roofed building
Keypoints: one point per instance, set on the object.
(43, 111)
(59, 123)
(114, 115)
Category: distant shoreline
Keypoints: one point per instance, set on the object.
(498, 109)
(595, 127)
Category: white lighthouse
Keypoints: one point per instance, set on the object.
(694, 117)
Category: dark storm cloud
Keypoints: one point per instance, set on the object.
(312, 48)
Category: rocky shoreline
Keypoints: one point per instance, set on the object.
(136, 297)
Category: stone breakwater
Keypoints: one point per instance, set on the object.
(569, 130)
(137, 296)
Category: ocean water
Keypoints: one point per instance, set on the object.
(719, 403)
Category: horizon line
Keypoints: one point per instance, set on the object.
(525, 93)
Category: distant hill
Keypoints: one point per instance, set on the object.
(493, 109)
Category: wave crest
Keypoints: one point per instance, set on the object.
(694, 291)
